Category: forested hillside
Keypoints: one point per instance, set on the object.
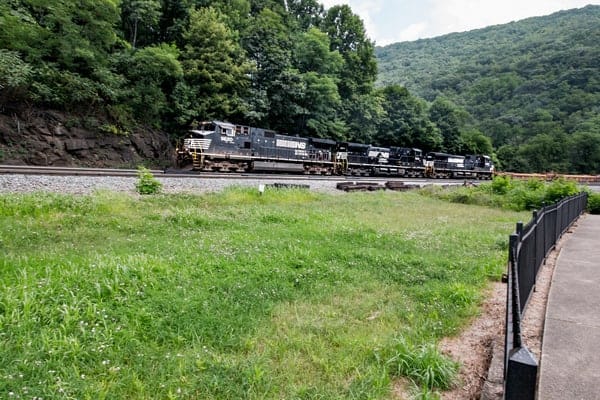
(533, 86)
(121, 67)
(288, 65)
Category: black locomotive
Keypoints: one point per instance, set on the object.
(222, 146)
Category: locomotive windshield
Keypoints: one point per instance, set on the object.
(205, 128)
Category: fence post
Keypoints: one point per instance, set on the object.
(522, 375)
(558, 230)
(515, 295)
(519, 230)
(521, 372)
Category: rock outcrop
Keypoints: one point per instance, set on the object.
(43, 137)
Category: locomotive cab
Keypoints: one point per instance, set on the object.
(484, 162)
(198, 140)
(444, 161)
(216, 145)
(406, 156)
(378, 155)
(481, 165)
(442, 165)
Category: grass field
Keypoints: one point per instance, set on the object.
(288, 295)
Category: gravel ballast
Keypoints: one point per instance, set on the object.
(10, 183)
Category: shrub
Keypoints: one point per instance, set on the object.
(559, 189)
(146, 183)
(501, 184)
(507, 193)
(521, 198)
(593, 206)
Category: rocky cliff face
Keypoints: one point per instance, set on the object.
(53, 138)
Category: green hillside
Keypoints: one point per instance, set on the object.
(169, 64)
(533, 86)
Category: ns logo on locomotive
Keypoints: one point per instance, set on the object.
(222, 146)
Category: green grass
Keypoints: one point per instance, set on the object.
(292, 294)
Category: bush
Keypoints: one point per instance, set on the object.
(559, 189)
(593, 206)
(501, 184)
(146, 183)
(508, 193)
(521, 198)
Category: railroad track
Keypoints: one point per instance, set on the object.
(37, 170)
(171, 173)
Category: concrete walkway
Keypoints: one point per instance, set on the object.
(570, 364)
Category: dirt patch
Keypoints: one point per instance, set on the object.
(474, 346)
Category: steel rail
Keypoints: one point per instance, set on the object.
(174, 173)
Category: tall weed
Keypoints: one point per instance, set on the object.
(423, 364)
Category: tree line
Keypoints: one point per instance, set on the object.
(532, 86)
(288, 65)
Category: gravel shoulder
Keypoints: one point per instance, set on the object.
(10, 183)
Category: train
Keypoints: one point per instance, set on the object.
(222, 146)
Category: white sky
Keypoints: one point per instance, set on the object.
(390, 21)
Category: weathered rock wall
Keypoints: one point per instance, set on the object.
(43, 137)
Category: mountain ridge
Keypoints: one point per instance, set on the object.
(532, 86)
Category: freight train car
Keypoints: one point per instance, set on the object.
(222, 146)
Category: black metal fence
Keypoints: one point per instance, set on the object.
(528, 248)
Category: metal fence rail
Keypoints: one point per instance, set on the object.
(528, 248)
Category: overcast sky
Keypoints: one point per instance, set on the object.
(390, 21)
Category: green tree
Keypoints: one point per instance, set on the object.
(277, 87)
(173, 21)
(320, 102)
(154, 71)
(450, 120)
(214, 65)
(318, 66)
(545, 153)
(405, 122)
(140, 16)
(475, 142)
(312, 53)
(21, 32)
(361, 107)
(347, 34)
(69, 44)
(361, 114)
(306, 13)
(584, 152)
(15, 76)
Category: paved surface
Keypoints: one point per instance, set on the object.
(570, 364)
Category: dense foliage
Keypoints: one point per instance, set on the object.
(532, 86)
(517, 195)
(292, 65)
